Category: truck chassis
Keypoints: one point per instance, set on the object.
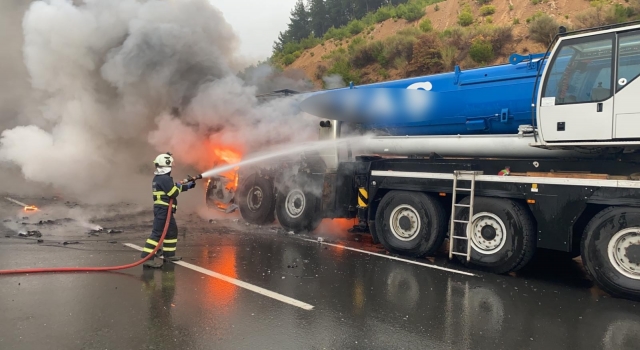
(407, 205)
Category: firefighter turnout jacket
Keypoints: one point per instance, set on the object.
(164, 188)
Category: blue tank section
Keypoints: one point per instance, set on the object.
(489, 100)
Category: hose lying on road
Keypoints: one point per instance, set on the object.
(104, 268)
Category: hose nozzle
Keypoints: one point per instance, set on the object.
(192, 179)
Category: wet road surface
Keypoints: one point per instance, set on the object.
(359, 300)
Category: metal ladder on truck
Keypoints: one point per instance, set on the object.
(458, 175)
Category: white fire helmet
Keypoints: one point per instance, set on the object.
(163, 163)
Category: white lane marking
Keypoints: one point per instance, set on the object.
(251, 287)
(393, 258)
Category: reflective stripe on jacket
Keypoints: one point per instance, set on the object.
(164, 188)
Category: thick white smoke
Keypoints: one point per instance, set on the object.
(114, 82)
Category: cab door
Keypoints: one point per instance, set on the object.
(577, 101)
(627, 108)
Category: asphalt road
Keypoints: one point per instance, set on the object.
(285, 292)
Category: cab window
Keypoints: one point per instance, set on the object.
(628, 59)
(581, 71)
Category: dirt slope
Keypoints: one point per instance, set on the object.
(446, 17)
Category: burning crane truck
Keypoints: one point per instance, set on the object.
(538, 153)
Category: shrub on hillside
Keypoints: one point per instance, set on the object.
(365, 55)
(356, 43)
(338, 34)
(355, 27)
(321, 71)
(398, 46)
(483, 2)
(500, 37)
(465, 19)
(543, 29)
(481, 51)
(487, 10)
(600, 14)
(411, 11)
(426, 56)
(309, 42)
(384, 13)
(291, 47)
(448, 54)
(288, 59)
(426, 26)
(343, 68)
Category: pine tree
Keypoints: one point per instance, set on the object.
(299, 26)
(337, 11)
(318, 17)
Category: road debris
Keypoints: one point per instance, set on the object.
(70, 242)
(114, 231)
(30, 233)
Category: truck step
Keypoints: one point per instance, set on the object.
(461, 221)
(463, 205)
(460, 237)
(461, 254)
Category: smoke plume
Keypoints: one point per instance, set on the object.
(112, 83)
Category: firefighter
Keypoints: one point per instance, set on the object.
(164, 188)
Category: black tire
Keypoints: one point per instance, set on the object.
(604, 269)
(509, 240)
(304, 211)
(256, 199)
(373, 232)
(402, 234)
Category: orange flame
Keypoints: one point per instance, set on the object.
(30, 208)
(218, 154)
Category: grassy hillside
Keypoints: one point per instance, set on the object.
(464, 32)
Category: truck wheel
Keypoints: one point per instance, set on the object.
(611, 251)
(502, 238)
(410, 223)
(257, 200)
(373, 232)
(297, 208)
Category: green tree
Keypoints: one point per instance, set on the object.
(319, 19)
(299, 26)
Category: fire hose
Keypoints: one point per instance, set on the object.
(103, 268)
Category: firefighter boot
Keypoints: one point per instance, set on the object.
(152, 264)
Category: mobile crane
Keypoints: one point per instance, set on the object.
(541, 152)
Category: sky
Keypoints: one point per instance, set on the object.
(257, 23)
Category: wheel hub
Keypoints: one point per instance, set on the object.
(254, 198)
(295, 203)
(624, 252)
(633, 254)
(488, 233)
(405, 222)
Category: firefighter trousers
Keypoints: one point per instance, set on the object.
(170, 242)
